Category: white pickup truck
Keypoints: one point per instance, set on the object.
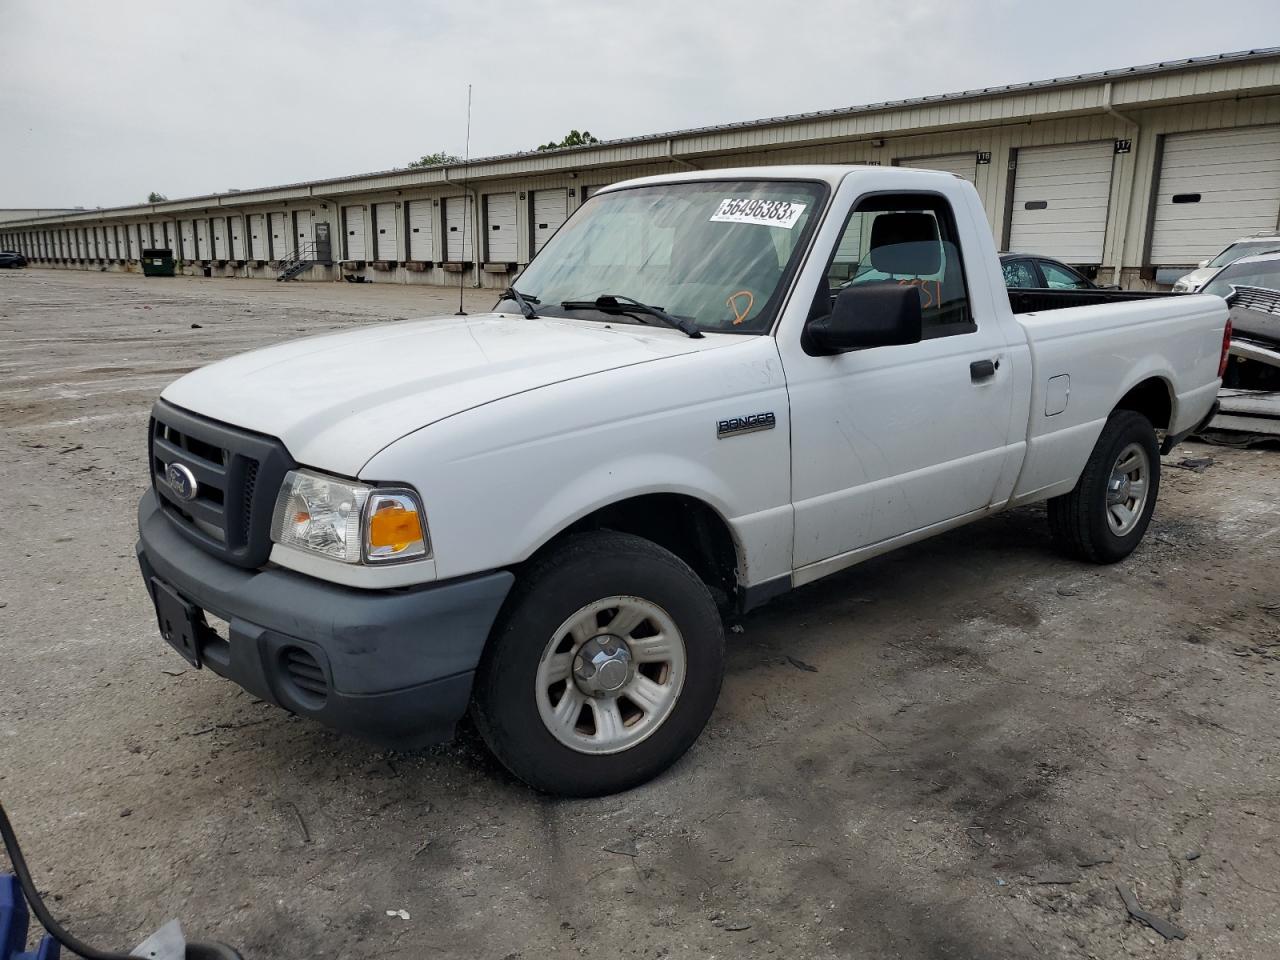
(710, 388)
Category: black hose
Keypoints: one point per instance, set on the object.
(195, 951)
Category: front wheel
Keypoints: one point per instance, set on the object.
(603, 669)
(1104, 518)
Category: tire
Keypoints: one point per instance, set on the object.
(1093, 522)
(550, 636)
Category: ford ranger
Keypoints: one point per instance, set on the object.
(707, 389)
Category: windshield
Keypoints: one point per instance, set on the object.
(1244, 249)
(714, 252)
(1263, 274)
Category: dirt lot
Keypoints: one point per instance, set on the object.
(958, 750)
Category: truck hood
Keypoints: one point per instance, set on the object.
(336, 400)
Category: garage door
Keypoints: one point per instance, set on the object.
(1215, 188)
(353, 232)
(235, 225)
(188, 230)
(258, 236)
(302, 229)
(385, 235)
(279, 243)
(220, 238)
(420, 221)
(457, 229)
(500, 227)
(1060, 201)
(550, 209)
(961, 164)
(170, 238)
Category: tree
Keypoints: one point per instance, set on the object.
(154, 197)
(572, 139)
(438, 159)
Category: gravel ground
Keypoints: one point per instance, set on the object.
(958, 750)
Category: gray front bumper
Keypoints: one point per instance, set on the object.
(397, 665)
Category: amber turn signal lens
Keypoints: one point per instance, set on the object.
(395, 528)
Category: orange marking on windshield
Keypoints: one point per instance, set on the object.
(733, 302)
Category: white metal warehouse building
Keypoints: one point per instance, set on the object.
(1138, 172)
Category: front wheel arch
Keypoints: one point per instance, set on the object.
(688, 527)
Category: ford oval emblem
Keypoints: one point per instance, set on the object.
(181, 481)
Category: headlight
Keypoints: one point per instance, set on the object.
(349, 522)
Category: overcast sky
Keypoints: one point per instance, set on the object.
(104, 102)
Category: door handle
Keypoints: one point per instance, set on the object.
(983, 370)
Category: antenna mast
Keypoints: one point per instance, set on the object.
(467, 209)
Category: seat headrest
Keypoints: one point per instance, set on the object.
(905, 243)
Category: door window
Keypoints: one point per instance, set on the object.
(907, 239)
(1058, 277)
(1020, 274)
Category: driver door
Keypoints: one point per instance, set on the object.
(895, 439)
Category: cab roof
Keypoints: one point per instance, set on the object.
(830, 173)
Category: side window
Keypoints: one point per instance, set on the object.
(1020, 275)
(907, 239)
(1058, 277)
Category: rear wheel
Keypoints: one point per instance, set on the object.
(1105, 517)
(604, 667)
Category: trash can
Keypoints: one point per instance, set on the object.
(158, 262)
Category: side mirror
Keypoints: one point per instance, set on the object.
(867, 315)
(1204, 263)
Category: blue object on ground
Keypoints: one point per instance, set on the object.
(14, 919)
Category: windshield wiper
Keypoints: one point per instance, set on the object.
(524, 303)
(615, 303)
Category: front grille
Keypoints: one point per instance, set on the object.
(237, 474)
(246, 500)
(1261, 299)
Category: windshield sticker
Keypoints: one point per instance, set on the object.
(765, 213)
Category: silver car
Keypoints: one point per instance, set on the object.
(1246, 247)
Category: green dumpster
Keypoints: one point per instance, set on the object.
(157, 263)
